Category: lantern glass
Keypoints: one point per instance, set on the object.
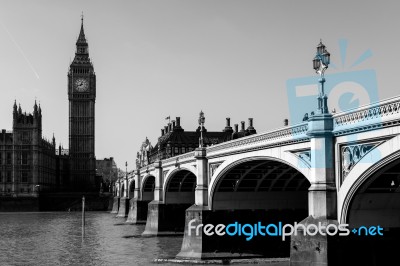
(320, 48)
(326, 57)
(316, 63)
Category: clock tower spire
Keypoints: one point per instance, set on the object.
(82, 97)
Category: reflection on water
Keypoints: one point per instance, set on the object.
(56, 239)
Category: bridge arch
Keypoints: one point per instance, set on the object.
(148, 185)
(179, 186)
(256, 190)
(289, 159)
(117, 189)
(365, 172)
(131, 187)
(122, 190)
(370, 196)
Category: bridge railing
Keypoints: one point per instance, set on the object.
(368, 116)
(182, 158)
(296, 133)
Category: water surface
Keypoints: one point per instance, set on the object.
(56, 239)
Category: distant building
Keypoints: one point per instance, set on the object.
(174, 140)
(107, 170)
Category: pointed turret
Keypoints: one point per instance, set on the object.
(54, 141)
(35, 109)
(82, 48)
(19, 109)
(81, 39)
(15, 107)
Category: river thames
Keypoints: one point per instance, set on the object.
(55, 238)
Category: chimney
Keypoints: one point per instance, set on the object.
(177, 125)
(251, 130)
(228, 127)
(173, 124)
(166, 129)
(162, 132)
(169, 127)
(286, 122)
(236, 127)
(242, 129)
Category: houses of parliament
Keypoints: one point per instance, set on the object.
(31, 164)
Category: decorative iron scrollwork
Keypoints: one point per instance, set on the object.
(352, 154)
(304, 156)
(213, 168)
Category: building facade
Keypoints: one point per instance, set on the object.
(27, 160)
(174, 140)
(107, 170)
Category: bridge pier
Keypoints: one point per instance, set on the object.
(322, 197)
(115, 205)
(163, 218)
(137, 211)
(153, 211)
(124, 200)
(137, 206)
(194, 245)
(123, 207)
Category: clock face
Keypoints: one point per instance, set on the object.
(81, 85)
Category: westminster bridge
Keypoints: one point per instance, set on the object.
(334, 168)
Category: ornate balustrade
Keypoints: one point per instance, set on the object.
(380, 114)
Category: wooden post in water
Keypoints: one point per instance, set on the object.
(83, 215)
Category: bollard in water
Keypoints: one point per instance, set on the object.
(83, 215)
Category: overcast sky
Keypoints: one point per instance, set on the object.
(155, 59)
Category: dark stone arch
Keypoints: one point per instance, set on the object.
(180, 187)
(132, 189)
(148, 188)
(265, 177)
(259, 190)
(169, 216)
(375, 202)
(122, 190)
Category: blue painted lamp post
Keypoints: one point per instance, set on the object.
(320, 64)
(322, 192)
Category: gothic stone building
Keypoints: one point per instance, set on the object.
(30, 165)
(27, 161)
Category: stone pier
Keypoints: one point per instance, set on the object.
(137, 211)
(115, 205)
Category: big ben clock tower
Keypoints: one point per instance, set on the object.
(82, 96)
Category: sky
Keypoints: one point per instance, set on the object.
(162, 58)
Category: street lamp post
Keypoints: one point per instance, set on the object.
(320, 64)
(202, 119)
(126, 179)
